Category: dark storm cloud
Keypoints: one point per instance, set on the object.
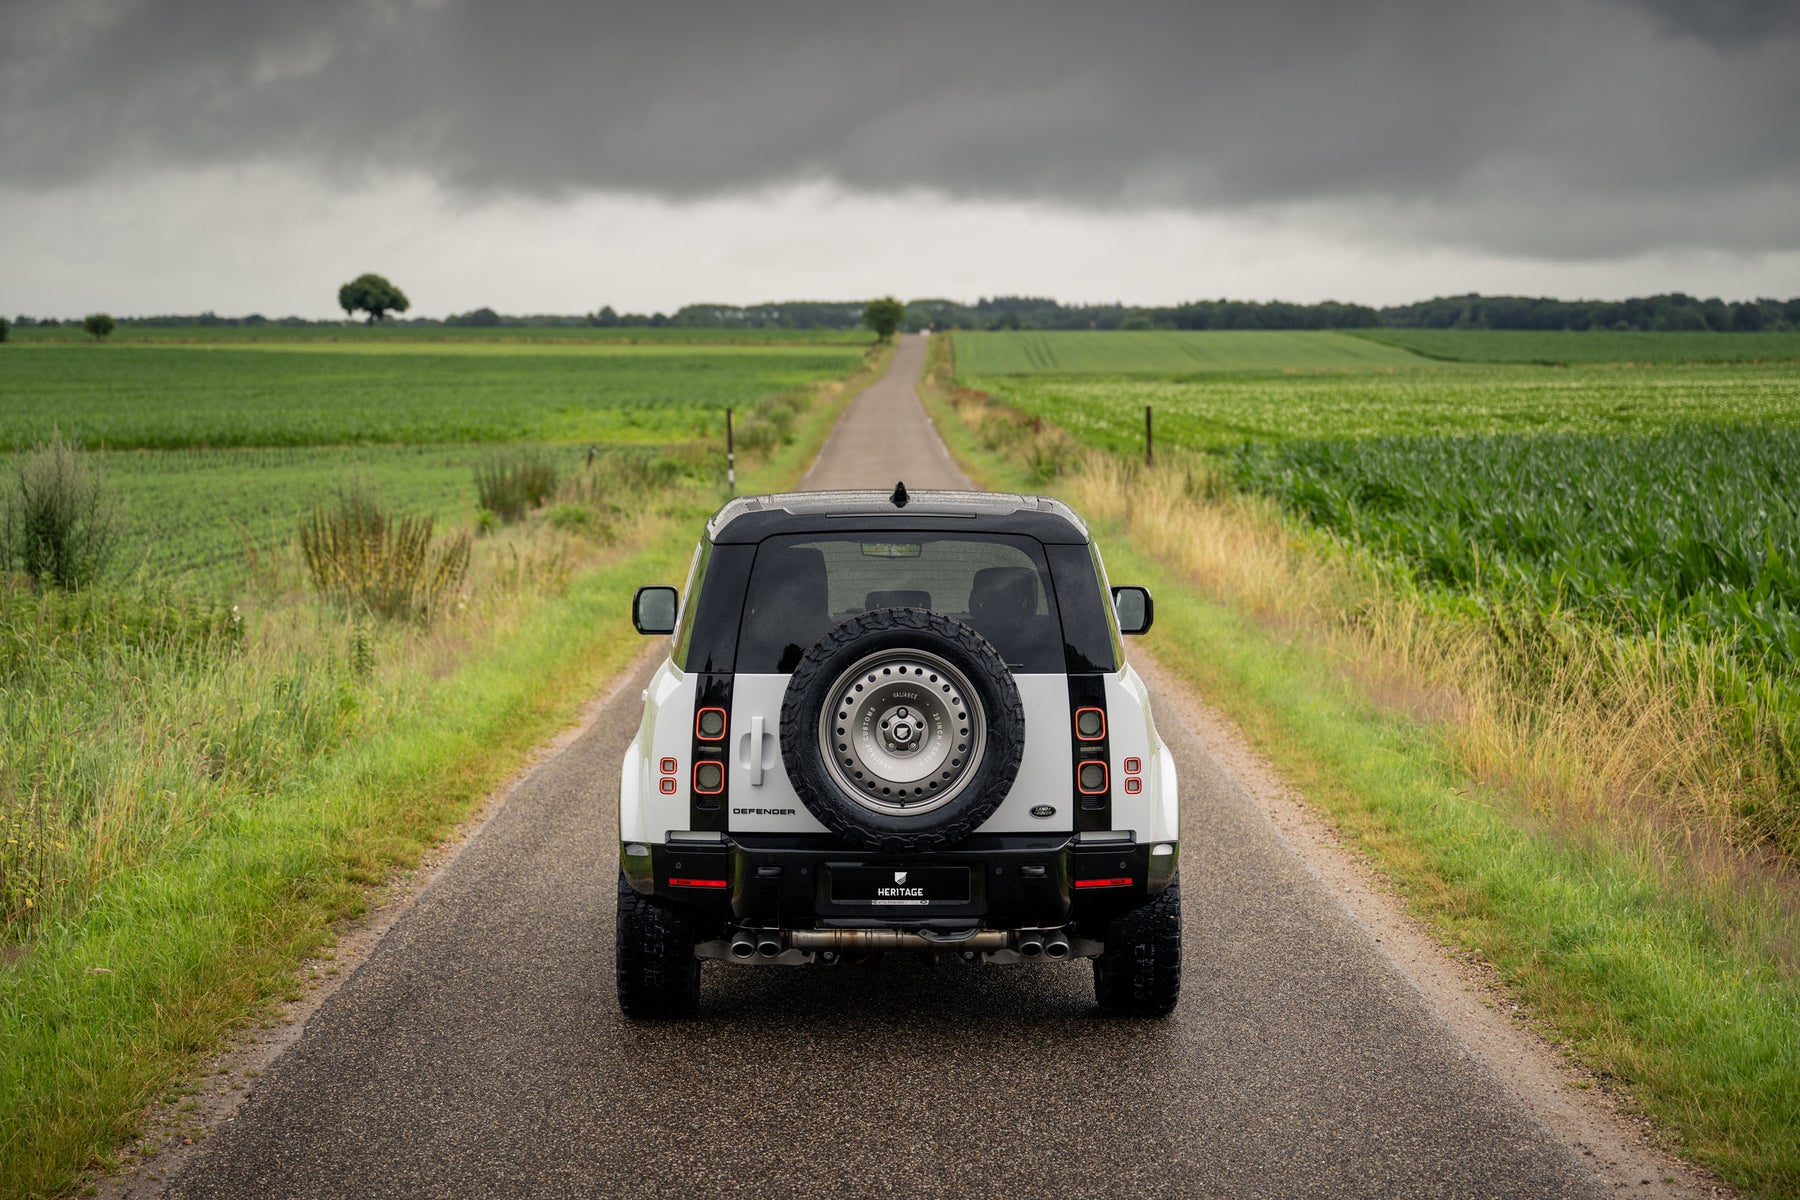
(1568, 127)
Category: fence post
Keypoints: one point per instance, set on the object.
(1149, 441)
(730, 456)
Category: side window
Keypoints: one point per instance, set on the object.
(684, 623)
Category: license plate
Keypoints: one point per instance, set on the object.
(904, 887)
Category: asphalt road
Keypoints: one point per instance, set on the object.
(479, 1050)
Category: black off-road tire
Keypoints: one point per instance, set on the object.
(1139, 973)
(992, 684)
(659, 977)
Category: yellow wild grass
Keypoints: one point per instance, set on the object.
(358, 553)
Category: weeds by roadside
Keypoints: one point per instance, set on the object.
(386, 564)
(59, 524)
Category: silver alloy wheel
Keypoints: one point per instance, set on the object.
(903, 732)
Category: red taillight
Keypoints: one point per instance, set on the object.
(1087, 883)
(706, 883)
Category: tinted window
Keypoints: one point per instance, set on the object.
(803, 585)
(1092, 638)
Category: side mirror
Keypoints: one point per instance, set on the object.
(1134, 608)
(653, 609)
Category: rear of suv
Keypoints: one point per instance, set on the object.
(897, 722)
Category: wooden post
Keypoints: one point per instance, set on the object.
(1149, 440)
(730, 456)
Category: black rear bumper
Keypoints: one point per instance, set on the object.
(1015, 881)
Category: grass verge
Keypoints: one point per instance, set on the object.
(109, 1000)
(1639, 941)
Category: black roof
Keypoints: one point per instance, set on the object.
(753, 518)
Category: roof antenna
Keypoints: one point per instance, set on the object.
(899, 497)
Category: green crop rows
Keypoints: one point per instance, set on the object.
(1697, 526)
(1662, 495)
(1217, 413)
(1595, 346)
(1168, 353)
(390, 333)
(324, 394)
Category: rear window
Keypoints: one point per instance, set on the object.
(803, 585)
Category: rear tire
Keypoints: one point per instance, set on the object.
(1139, 972)
(659, 977)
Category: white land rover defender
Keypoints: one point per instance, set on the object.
(896, 722)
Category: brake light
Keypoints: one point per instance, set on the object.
(1099, 883)
(699, 883)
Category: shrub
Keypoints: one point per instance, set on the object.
(387, 565)
(509, 484)
(61, 524)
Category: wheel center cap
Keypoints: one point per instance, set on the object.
(902, 730)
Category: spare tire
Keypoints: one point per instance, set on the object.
(902, 730)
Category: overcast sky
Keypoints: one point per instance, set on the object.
(164, 156)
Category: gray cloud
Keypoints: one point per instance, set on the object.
(1571, 128)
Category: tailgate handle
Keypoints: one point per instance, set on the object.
(751, 751)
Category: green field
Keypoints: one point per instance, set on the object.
(1217, 413)
(1561, 347)
(1662, 497)
(356, 333)
(189, 513)
(174, 397)
(1695, 527)
(1169, 353)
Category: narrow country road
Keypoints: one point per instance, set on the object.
(479, 1051)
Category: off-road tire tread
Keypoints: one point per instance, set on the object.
(658, 975)
(799, 736)
(1139, 973)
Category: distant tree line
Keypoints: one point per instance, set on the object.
(1673, 311)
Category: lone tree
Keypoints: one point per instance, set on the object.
(884, 316)
(374, 295)
(98, 324)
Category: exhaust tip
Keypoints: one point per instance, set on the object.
(1030, 947)
(768, 947)
(743, 947)
(1056, 949)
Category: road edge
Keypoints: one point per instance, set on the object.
(1621, 1148)
(174, 1127)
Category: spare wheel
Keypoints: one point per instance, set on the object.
(902, 730)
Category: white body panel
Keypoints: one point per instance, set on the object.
(645, 813)
(764, 801)
(1152, 812)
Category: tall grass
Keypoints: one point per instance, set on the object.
(359, 554)
(59, 524)
(513, 482)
